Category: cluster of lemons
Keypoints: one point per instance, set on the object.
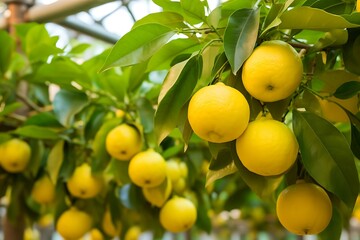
(157, 177)
(267, 147)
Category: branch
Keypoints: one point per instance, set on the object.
(28, 102)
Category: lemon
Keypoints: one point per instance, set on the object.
(183, 169)
(46, 220)
(147, 169)
(218, 113)
(358, 6)
(123, 142)
(15, 155)
(73, 224)
(133, 233)
(178, 215)
(95, 234)
(304, 208)
(43, 190)
(267, 147)
(173, 169)
(31, 234)
(83, 183)
(110, 228)
(158, 195)
(331, 81)
(273, 71)
(180, 185)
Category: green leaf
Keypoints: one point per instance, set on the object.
(67, 104)
(10, 108)
(80, 48)
(70, 71)
(138, 45)
(39, 45)
(194, 8)
(273, 17)
(347, 90)
(36, 132)
(37, 152)
(355, 140)
(131, 197)
(119, 169)
(334, 229)
(168, 111)
(101, 157)
(170, 19)
(221, 156)
(146, 114)
(203, 220)
(326, 156)
(240, 36)
(7, 47)
(55, 160)
(213, 175)
(312, 18)
(43, 119)
(351, 50)
(164, 57)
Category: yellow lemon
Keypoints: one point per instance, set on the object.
(31, 234)
(267, 147)
(180, 185)
(95, 234)
(73, 224)
(123, 142)
(110, 228)
(273, 71)
(46, 220)
(358, 6)
(158, 195)
(331, 81)
(173, 170)
(133, 233)
(218, 113)
(43, 190)
(304, 208)
(15, 155)
(183, 169)
(147, 169)
(178, 215)
(83, 183)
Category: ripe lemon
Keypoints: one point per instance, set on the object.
(180, 185)
(158, 195)
(15, 155)
(304, 208)
(267, 147)
(183, 169)
(110, 228)
(43, 190)
(273, 71)
(147, 169)
(331, 81)
(95, 234)
(358, 6)
(178, 215)
(73, 224)
(123, 142)
(133, 233)
(173, 169)
(46, 220)
(83, 183)
(218, 113)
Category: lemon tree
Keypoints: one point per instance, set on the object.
(207, 109)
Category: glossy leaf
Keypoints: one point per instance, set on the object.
(164, 57)
(67, 104)
(240, 36)
(10, 108)
(213, 175)
(312, 18)
(194, 8)
(351, 51)
(55, 160)
(7, 47)
(167, 113)
(221, 156)
(43, 119)
(170, 19)
(141, 43)
(36, 132)
(355, 132)
(347, 90)
(273, 17)
(326, 155)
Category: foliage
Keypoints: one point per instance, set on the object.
(150, 74)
